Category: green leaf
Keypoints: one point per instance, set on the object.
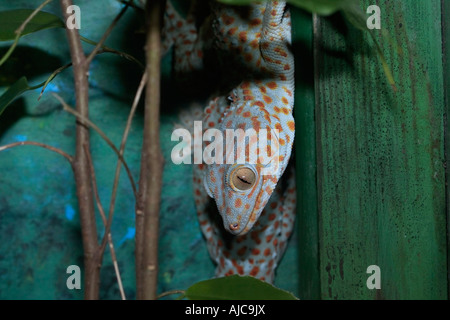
(238, 2)
(11, 20)
(236, 288)
(19, 87)
(322, 7)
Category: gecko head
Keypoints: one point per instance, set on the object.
(242, 185)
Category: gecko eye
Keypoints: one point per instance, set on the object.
(242, 178)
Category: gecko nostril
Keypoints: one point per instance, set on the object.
(234, 226)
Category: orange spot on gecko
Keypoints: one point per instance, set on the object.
(229, 273)
(255, 251)
(255, 236)
(289, 92)
(259, 104)
(281, 52)
(291, 125)
(238, 203)
(272, 85)
(239, 268)
(278, 127)
(232, 31)
(254, 44)
(255, 22)
(267, 252)
(227, 20)
(254, 271)
(242, 36)
(267, 99)
(242, 251)
(284, 100)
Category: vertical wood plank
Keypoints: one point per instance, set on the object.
(446, 64)
(381, 179)
(305, 156)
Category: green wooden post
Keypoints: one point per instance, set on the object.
(446, 59)
(305, 156)
(381, 176)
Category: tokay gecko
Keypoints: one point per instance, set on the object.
(245, 215)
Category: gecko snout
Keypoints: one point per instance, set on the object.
(234, 226)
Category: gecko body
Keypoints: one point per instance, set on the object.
(248, 224)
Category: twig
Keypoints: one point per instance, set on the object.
(168, 293)
(52, 76)
(85, 121)
(81, 169)
(31, 16)
(151, 162)
(64, 67)
(31, 143)
(122, 145)
(116, 266)
(111, 50)
(107, 236)
(106, 34)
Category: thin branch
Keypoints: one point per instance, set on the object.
(31, 143)
(64, 67)
(106, 34)
(116, 266)
(107, 224)
(92, 125)
(122, 145)
(111, 50)
(31, 16)
(168, 293)
(52, 76)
